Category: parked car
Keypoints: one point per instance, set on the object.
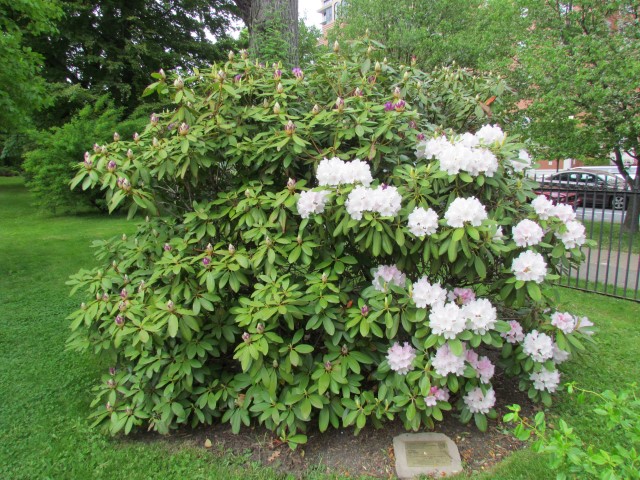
(595, 188)
(569, 198)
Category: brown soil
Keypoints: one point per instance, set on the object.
(371, 452)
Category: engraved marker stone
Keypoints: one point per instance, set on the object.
(426, 454)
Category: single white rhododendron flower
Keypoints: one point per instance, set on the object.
(529, 266)
(401, 357)
(479, 402)
(527, 233)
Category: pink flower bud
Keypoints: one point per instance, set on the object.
(232, 249)
(344, 350)
(221, 76)
(358, 92)
(111, 166)
(413, 60)
(136, 137)
(231, 55)
(324, 278)
(388, 107)
(397, 93)
(246, 337)
(400, 105)
(279, 88)
(178, 83)
(291, 184)
(124, 294)
(406, 76)
(277, 75)
(290, 128)
(420, 137)
(141, 286)
(170, 306)
(88, 163)
(120, 320)
(154, 119)
(244, 54)
(364, 311)
(122, 306)
(327, 366)
(377, 67)
(96, 148)
(206, 261)
(298, 73)
(129, 154)
(316, 109)
(340, 104)
(167, 247)
(209, 249)
(276, 108)
(260, 328)
(125, 279)
(183, 129)
(155, 142)
(116, 137)
(105, 297)
(163, 76)
(336, 47)
(109, 407)
(112, 371)
(111, 383)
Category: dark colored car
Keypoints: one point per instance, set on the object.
(595, 188)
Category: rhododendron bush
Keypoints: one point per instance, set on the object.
(340, 246)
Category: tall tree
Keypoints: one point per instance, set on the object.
(114, 45)
(270, 21)
(580, 67)
(22, 90)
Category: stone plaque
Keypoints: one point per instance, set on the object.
(425, 454)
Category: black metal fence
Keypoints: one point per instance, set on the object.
(602, 203)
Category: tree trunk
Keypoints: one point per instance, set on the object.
(633, 208)
(273, 18)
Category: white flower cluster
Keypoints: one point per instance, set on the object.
(527, 233)
(384, 200)
(385, 275)
(479, 402)
(464, 153)
(539, 346)
(312, 202)
(447, 320)
(573, 234)
(446, 362)
(480, 316)
(423, 222)
(425, 293)
(529, 266)
(490, 134)
(333, 172)
(559, 355)
(545, 380)
(465, 210)
(400, 358)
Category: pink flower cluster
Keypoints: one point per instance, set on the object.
(482, 365)
(463, 210)
(384, 200)
(385, 275)
(563, 321)
(445, 362)
(516, 334)
(461, 296)
(400, 358)
(436, 395)
(334, 172)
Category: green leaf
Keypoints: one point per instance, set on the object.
(172, 325)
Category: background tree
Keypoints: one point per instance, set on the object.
(476, 34)
(579, 64)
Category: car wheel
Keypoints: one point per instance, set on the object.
(618, 202)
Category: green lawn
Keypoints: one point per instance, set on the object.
(44, 391)
(608, 237)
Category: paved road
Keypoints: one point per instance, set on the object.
(600, 215)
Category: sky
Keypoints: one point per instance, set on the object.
(307, 9)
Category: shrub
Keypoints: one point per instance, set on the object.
(49, 165)
(286, 283)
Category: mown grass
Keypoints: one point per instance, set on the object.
(45, 391)
(609, 236)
